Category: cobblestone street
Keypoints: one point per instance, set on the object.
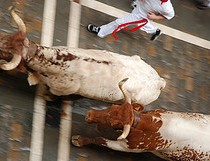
(181, 55)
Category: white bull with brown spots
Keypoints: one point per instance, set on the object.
(174, 136)
(90, 73)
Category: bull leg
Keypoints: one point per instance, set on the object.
(80, 141)
(48, 96)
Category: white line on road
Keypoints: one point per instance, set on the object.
(38, 125)
(74, 25)
(66, 119)
(115, 12)
(65, 131)
(48, 22)
(104, 8)
(39, 103)
(184, 36)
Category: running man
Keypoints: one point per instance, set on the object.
(144, 12)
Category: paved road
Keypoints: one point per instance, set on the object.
(184, 66)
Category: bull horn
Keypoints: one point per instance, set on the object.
(16, 58)
(126, 130)
(17, 19)
(125, 92)
(126, 127)
(12, 64)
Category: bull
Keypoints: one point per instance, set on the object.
(90, 73)
(174, 136)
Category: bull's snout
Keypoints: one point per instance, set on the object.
(89, 116)
(96, 116)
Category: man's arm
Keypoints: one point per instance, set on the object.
(153, 16)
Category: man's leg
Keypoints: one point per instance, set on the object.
(151, 29)
(155, 35)
(107, 29)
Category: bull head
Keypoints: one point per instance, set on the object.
(15, 45)
(116, 116)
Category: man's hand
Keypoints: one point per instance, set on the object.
(153, 16)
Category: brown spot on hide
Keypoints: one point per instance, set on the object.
(186, 154)
(65, 57)
(44, 74)
(97, 61)
(13, 43)
(145, 134)
(77, 1)
(59, 56)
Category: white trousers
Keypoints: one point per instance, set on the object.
(133, 16)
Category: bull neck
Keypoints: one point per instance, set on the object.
(136, 118)
(32, 50)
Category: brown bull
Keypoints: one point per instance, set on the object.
(174, 136)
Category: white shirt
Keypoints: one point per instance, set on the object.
(166, 9)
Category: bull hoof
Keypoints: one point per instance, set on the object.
(76, 140)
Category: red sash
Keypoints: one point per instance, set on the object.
(124, 27)
(163, 1)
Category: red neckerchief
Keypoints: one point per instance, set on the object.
(124, 27)
(163, 1)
